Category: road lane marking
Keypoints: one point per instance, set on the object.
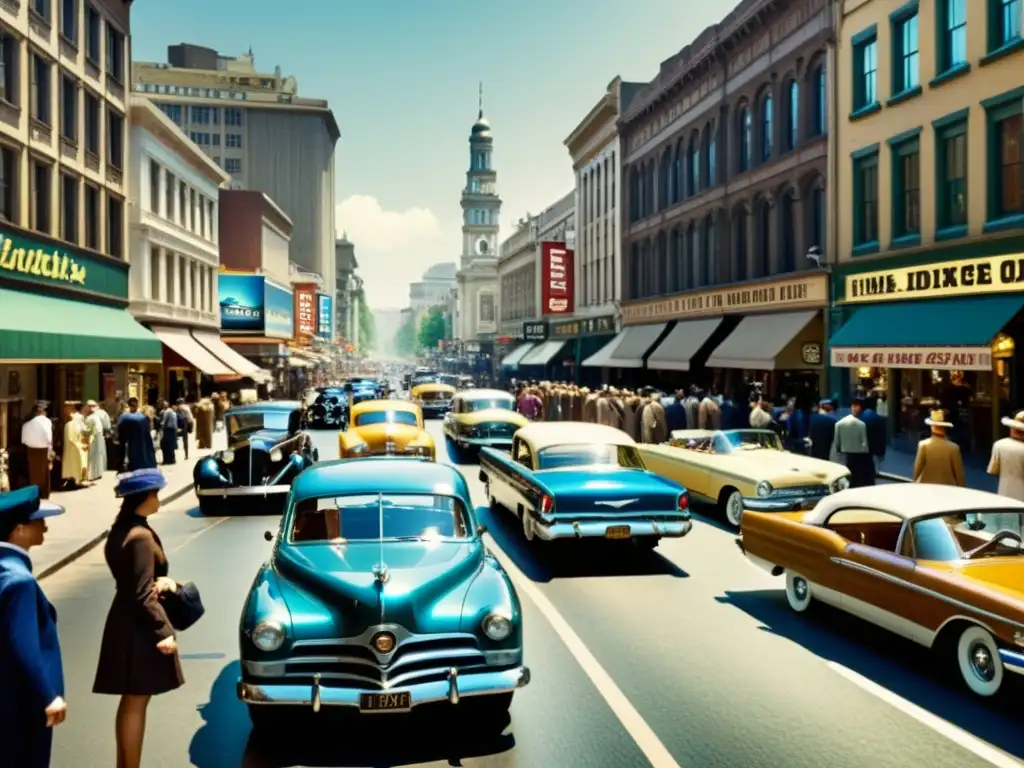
(970, 742)
(635, 726)
(197, 534)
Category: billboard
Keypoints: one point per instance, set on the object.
(557, 283)
(325, 316)
(279, 308)
(241, 303)
(305, 310)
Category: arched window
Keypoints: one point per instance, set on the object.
(739, 256)
(792, 115)
(665, 180)
(634, 272)
(677, 172)
(787, 254)
(676, 255)
(662, 285)
(694, 163)
(817, 216)
(767, 126)
(711, 154)
(652, 183)
(763, 253)
(746, 139)
(819, 114)
(710, 252)
(693, 248)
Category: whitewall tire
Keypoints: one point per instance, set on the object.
(798, 592)
(733, 506)
(528, 532)
(977, 656)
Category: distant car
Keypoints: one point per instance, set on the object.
(435, 399)
(386, 428)
(267, 449)
(329, 410)
(361, 389)
(380, 596)
(574, 480)
(483, 417)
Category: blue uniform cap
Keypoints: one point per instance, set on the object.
(24, 505)
(140, 481)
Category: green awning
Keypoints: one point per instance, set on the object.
(44, 329)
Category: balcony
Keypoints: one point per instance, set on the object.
(147, 310)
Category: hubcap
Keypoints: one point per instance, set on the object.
(527, 526)
(735, 507)
(982, 663)
(800, 588)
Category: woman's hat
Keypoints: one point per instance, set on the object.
(140, 481)
(1017, 422)
(938, 419)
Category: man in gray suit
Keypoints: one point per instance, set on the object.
(851, 442)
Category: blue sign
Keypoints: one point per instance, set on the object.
(279, 306)
(241, 303)
(325, 316)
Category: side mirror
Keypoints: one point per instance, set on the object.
(481, 529)
(268, 536)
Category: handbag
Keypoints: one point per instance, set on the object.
(184, 607)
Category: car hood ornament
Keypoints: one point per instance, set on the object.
(617, 504)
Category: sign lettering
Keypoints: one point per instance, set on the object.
(305, 310)
(557, 286)
(991, 274)
(40, 262)
(535, 331)
(920, 358)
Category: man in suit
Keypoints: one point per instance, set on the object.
(851, 443)
(31, 673)
(134, 432)
(877, 436)
(938, 458)
(822, 430)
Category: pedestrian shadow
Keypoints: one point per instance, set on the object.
(907, 669)
(572, 558)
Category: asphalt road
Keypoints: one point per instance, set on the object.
(687, 656)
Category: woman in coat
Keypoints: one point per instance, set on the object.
(168, 433)
(138, 655)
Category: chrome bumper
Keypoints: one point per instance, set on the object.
(768, 504)
(598, 529)
(244, 490)
(1013, 661)
(482, 442)
(451, 690)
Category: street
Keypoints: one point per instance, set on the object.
(686, 656)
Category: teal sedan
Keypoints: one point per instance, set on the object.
(380, 596)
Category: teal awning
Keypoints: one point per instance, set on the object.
(36, 328)
(967, 322)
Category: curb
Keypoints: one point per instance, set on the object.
(895, 478)
(95, 541)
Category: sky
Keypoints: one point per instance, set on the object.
(402, 79)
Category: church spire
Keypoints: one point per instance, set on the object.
(481, 101)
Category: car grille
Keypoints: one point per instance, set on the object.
(417, 660)
(434, 397)
(249, 467)
(496, 429)
(800, 490)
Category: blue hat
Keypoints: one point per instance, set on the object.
(826, 401)
(140, 481)
(24, 505)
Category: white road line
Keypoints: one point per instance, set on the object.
(962, 738)
(197, 534)
(631, 720)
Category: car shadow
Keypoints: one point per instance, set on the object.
(226, 737)
(710, 515)
(543, 561)
(250, 508)
(900, 666)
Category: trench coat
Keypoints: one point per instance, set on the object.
(1008, 463)
(938, 461)
(133, 432)
(653, 423)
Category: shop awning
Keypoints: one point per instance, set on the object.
(942, 334)
(636, 342)
(295, 361)
(600, 358)
(513, 358)
(682, 343)
(759, 339)
(181, 341)
(542, 353)
(36, 328)
(212, 343)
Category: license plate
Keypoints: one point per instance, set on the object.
(617, 532)
(400, 701)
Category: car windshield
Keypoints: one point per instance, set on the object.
(253, 421)
(451, 381)
(584, 455)
(746, 440)
(386, 417)
(490, 403)
(357, 518)
(968, 535)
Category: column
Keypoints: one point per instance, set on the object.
(162, 277)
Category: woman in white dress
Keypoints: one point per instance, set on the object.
(98, 425)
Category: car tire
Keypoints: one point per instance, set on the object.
(528, 530)
(732, 507)
(798, 592)
(977, 657)
(212, 506)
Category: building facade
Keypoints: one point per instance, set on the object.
(724, 162)
(930, 198)
(257, 127)
(517, 281)
(345, 286)
(434, 288)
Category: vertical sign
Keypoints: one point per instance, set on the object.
(557, 271)
(325, 316)
(305, 311)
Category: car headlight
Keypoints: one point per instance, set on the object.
(841, 484)
(276, 455)
(496, 626)
(268, 636)
(358, 448)
(228, 456)
(764, 488)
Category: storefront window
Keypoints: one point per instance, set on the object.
(967, 397)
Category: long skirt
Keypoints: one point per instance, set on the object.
(39, 470)
(168, 445)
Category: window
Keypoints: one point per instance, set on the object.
(40, 107)
(200, 115)
(694, 165)
(233, 140)
(233, 165)
(951, 175)
(92, 123)
(42, 8)
(865, 71)
(115, 143)
(712, 155)
(763, 253)
(739, 256)
(865, 198)
(192, 210)
(745, 139)
(173, 111)
(1004, 23)
(169, 193)
(182, 218)
(69, 20)
(767, 127)
(115, 226)
(10, 51)
(905, 57)
(69, 208)
(154, 186)
(952, 26)
(69, 108)
(1006, 151)
(92, 217)
(9, 190)
(818, 215)
(233, 116)
(115, 54)
(792, 115)
(906, 189)
(154, 274)
(819, 122)
(40, 196)
(787, 258)
(92, 34)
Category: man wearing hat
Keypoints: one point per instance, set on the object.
(1008, 459)
(31, 673)
(938, 459)
(851, 442)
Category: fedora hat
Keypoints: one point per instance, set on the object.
(1016, 422)
(938, 419)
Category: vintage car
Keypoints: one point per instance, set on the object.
(360, 389)
(434, 398)
(329, 410)
(940, 565)
(380, 596)
(267, 449)
(386, 428)
(483, 417)
(568, 479)
(744, 469)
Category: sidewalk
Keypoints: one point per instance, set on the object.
(88, 512)
(898, 466)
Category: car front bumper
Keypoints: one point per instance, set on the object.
(483, 442)
(784, 504)
(319, 695)
(598, 529)
(244, 490)
(1013, 661)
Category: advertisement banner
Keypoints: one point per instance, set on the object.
(325, 316)
(279, 308)
(241, 303)
(557, 284)
(917, 358)
(305, 310)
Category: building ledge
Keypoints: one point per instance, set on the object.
(866, 249)
(906, 241)
(951, 233)
(1003, 51)
(906, 95)
(950, 74)
(149, 311)
(865, 111)
(1006, 223)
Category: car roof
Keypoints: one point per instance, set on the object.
(275, 406)
(910, 501)
(427, 384)
(545, 434)
(350, 477)
(482, 394)
(385, 405)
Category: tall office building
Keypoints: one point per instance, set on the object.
(258, 128)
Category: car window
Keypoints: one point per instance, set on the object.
(523, 455)
(871, 527)
(357, 518)
(386, 417)
(946, 538)
(489, 403)
(240, 424)
(582, 455)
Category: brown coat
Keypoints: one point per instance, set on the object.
(709, 414)
(654, 423)
(938, 461)
(590, 408)
(129, 660)
(631, 410)
(609, 413)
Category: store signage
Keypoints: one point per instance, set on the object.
(990, 274)
(279, 306)
(920, 358)
(325, 316)
(241, 303)
(535, 331)
(305, 310)
(586, 326)
(557, 283)
(30, 261)
(786, 294)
